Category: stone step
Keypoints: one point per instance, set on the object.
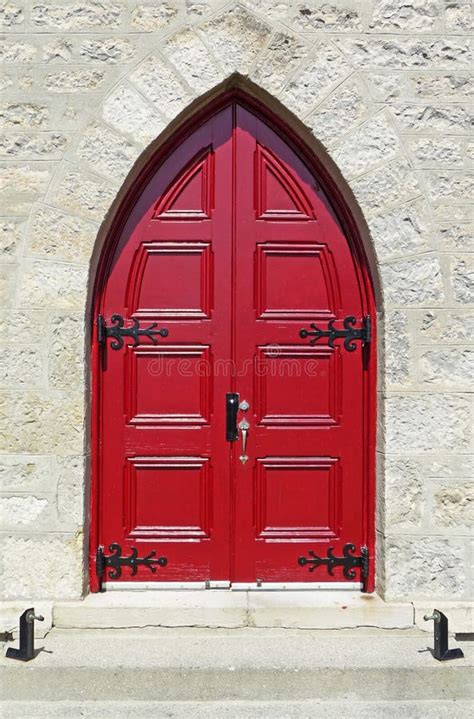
(210, 665)
(310, 609)
(311, 709)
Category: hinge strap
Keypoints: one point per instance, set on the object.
(348, 333)
(116, 561)
(117, 331)
(349, 561)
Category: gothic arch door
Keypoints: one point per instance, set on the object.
(232, 365)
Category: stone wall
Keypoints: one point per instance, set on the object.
(384, 85)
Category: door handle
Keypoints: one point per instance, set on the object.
(244, 428)
(232, 407)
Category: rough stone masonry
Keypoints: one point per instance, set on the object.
(385, 86)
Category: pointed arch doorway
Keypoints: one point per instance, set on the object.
(233, 372)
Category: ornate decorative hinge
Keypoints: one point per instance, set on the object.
(348, 561)
(349, 333)
(118, 331)
(116, 561)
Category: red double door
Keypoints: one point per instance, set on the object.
(231, 250)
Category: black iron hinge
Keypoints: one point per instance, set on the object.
(349, 561)
(348, 333)
(117, 331)
(116, 561)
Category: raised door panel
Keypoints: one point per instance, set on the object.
(162, 427)
(302, 484)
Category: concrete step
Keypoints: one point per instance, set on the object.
(311, 709)
(246, 665)
(310, 609)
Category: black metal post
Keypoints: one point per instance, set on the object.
(27, 637)
(441, 650)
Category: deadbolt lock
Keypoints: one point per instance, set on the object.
(244, 405)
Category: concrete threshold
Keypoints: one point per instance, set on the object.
(227, 609)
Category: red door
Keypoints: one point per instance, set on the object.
(233, 254)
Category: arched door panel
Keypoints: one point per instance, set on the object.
(233, 253)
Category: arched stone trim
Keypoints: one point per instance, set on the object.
(318, 84)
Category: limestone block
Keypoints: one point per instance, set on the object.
(342, 109)
(366, 146)
(191, 58)
(75, 16)
(445, 211)
(151, 17)
(314, 80)
(447, 327)
(452, 85)
(447, 185)
(106, 152)
(20, 512)
(83, 194)
(42, 422)
(28, 326)
(7, 281)
(386, 85)
(127, 111)
(452, 368)
(159, 84)
(21, 185)
(23, 473)
(57, 235)
(432, 118)
(110, 50)
(23, 115)
(424, 566)
(57, 560)
(413, 281)
(279, 61)
(33, 146)
(21, 367)
(339, 16)
(445, 465)
(413, 17)
(66, 351)
(385, 186)
(11, 15)
(60, 51)
(406, 52)
(435, 151)
(459, 17)
(47, 284)
(400, 232)
(268, 9)
(6, 81)
(75, 80)
(462, 278)
(458, 236)
(10, 238)
(198, 8)
(420, 423)
(235, 38)
(15, 51)
(403, 493)
(71, 490)
(454, 505)
(397, 348)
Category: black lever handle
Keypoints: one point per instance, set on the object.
(232, 407)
